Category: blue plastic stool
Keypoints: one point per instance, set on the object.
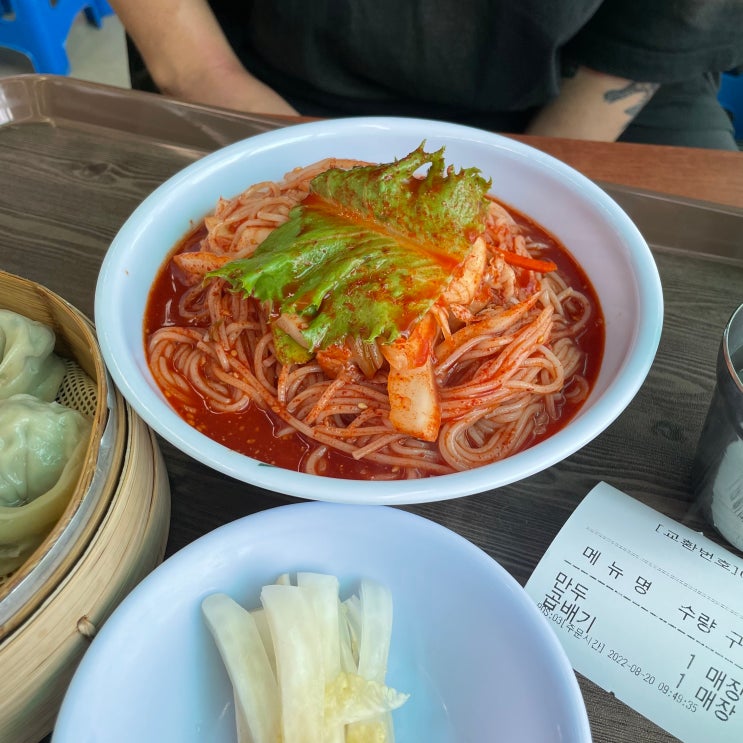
(731, 99)
(39, 28)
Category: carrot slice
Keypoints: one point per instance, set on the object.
(532, 264)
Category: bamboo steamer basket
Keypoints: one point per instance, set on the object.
(111, 535)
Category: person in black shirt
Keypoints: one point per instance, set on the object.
(589, 69)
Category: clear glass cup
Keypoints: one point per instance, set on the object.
(717, 473)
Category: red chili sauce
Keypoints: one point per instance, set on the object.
(252, 432)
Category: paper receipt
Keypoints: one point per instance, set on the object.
(650, 610)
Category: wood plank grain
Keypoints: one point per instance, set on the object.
(709, 175)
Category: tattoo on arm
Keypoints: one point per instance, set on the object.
(644, 90)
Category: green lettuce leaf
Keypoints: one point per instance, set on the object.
(369, 250)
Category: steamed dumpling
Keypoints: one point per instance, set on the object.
(42, 449)
(37, 439)
(27, 361)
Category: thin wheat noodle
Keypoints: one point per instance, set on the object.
(503, 372)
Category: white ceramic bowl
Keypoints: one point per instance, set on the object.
(477, 657)
(589, 223)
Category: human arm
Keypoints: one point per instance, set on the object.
(189, 57)
(592, 105)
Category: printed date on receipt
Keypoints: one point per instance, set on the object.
(651, 611)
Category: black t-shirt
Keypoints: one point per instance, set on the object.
(492, 63)
(471, 56)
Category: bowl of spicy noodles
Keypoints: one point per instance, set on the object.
(379, 310)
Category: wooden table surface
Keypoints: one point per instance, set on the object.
(682, 171)
(71, 172)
